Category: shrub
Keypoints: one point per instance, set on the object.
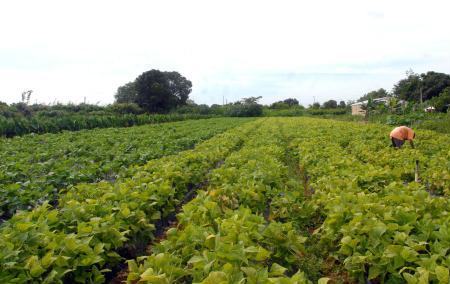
(243, 110)
(125, 108)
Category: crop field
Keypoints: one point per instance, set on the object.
(225, 200)
(34, 168)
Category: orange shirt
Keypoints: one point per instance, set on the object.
(402, 133)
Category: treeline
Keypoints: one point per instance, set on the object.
(158, 91)
(160, 96)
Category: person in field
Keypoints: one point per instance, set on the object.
(400, 134)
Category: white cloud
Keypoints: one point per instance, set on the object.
(68, 50)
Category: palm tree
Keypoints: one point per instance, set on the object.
(392, 104)
(368, 107)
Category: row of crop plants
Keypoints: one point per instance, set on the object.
(81, 239)
(236, 230)
(14, 126)
(379, 223)
(34, 167)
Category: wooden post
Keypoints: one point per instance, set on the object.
(416, 178)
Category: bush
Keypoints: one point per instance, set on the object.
(196, 109)
(442, 102)
(22, 108)
(336, 111)
(243, 110)
(6, 111)
(125, 108)
(296, 111)
(441, 124)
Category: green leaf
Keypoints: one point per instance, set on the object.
(210, 241)
(323, 280)
(277, 270)
(249, 271)
(251, 249)
(52, 216)
(132, 266)
(48, 259)
(424, 275)
(71, 243)
(442, 274)
(125, 211)
(262, 254)
(195, 259)
(90, 259)
(215, 277)
(374, 271)
(346, 240)
(98, 249)
(151, 277)
(408, 254)
(22, 227)
(378, 230)
(156, 215)
(410, 279)
(50, 277)
(36, 269)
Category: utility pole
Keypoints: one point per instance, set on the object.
(421, 94)
(420, 78)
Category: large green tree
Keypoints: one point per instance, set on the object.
(421, 87)
(291, 102)
(330, 104)
(315, 105)
(284, 104)
(380, 93)
(126, 93)
(156, 91)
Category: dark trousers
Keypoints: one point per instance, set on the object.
(397, 143)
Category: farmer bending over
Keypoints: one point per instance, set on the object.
(400, 134)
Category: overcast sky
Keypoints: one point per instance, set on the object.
(311, 50)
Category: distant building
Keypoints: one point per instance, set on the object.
(357, 108)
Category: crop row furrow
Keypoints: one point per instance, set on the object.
(120, 273)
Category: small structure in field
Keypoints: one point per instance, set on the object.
(357, 109)
(430, 109)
